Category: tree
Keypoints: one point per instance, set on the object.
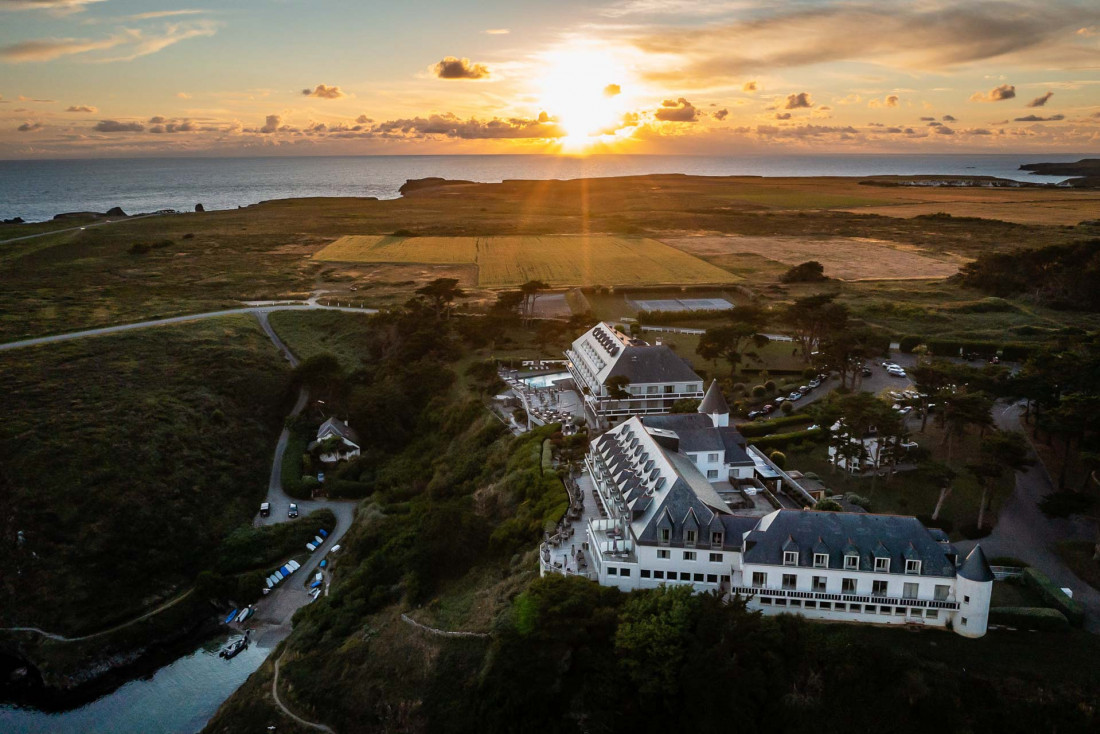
(930, 378)
(1000, 452)
(530, 290)
(616, 387)
(807, 272)
(844, 351)
(731, 341)
(944, 476)
(508, 303)
(813, 317)
(962, 410)
(441, 293)
(653, 636)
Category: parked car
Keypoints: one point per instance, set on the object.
(905, 410)
(265, 509)
(897, 373)
(805, 389)
(754, 414)
(767, 409)
(815, 383)
(794, 396)
(866, 371)
(780, 400)
(293, 511)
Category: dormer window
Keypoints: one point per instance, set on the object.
(666, 535)
(790, 558)
(882, 565)
(689, 537)
(912, 567)
(716, 538)
(821, 560)
(851, 561)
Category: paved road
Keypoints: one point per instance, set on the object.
(309, 306)
(74, 229)
(1024, 532)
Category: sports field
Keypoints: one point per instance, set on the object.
(559, 260)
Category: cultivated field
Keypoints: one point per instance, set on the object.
(560, 260)
(1057, 212)
(847, 258)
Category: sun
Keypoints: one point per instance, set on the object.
(581, 89)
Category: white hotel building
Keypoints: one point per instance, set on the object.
(667, 524)
(657, 376)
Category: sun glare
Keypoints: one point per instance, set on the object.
(582, 90)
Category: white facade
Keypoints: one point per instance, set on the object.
(657, 376)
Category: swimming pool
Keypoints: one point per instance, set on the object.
(545, 380)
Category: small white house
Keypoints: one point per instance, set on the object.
(347, 443)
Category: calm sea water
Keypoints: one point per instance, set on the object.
(37, 190)
(180, 697)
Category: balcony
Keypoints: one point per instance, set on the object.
(892, 601)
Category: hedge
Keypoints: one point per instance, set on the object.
(1053, 595)
(348, 489)
(952, 347)
(764, 428)
(547, 456)
(782, 440)
(1032, 618)
(908, 343)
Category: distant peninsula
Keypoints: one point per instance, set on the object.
(1086, 172)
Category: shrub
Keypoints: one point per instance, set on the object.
(1064, 504)
(858, 500)
(1008, 561)
(908, 343)
(1031, 618)
(778, 458)
(770, 385)
(827, 505)
(140, 248)
(1054, 596)
(764, 428)
(809, 373)
(739, 388)
(807, 272)
(783, 440)
(786, 408)
(758, 391)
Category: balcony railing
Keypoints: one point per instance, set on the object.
(892, 601)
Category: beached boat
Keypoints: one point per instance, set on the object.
(244, 614)
(232, 616)
(293, 565)
(310, 547)
(323, 532)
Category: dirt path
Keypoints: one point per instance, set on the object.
(287, 711)
(61, 638)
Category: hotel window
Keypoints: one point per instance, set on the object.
(932, 614)
(882, 565)
(716, 538)
(848, 586)
(759, 579)
(790, 558)
(851, 561)
(651, 390)
(819, 583)
(698, 577)
(689, 555)
(966, 600)
(821, 560)
(644, 573)
(670, 389)
(624, 572)
(712, 458)
(666, 535)
(662, 553)
(612, 571)
(941, 592)
(826, 605)
(712, 473)
(689, 537)
(912, 567)
(878, 588)
(712, 578)
(910, 591)
(964, 621)
(790, 581)
(715, 557)
(685, 576)
(658, 574)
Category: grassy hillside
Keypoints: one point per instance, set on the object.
(127, 459)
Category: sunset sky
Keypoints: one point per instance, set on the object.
(123, 78)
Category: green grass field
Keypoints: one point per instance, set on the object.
(560, 260)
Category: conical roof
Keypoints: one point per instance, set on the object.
(714, 401)
(976, 567)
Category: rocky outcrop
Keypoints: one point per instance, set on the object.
(199, 208)
(1086, 170)
(115, 211)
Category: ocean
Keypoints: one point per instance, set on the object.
(37, 190)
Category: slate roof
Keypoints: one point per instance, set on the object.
(652, 363)
(714, 401)
(698, 434)
(336, 427)
(892, 536)
(976, 567)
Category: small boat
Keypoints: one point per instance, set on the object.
(315, 593)
(234, 648)
(324, 562)
(293, 565)
(269, 582)
(319, 576)
(279, 575)
(316, 584)
(286, 570)
(231, 617)
(334, 548)
(311, 547)
(244, 614)
(323, 533)
(318, 540)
